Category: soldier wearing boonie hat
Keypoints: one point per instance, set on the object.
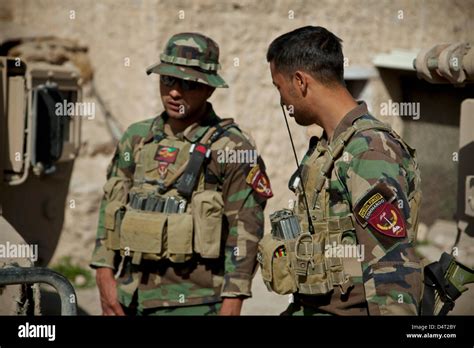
(178, 226)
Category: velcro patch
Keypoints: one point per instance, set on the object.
(259, 182)
(383, 216)
(166, 154)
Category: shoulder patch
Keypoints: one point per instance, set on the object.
(378, 210)
(259, 181)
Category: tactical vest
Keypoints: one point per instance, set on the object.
(167, 217)
(300, 264)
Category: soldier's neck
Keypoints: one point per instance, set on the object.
(333, 110)
(175, 126)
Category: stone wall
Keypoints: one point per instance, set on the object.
(124, 37)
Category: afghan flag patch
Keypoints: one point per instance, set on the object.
(259, 182)
(166, 154)
(382, 215)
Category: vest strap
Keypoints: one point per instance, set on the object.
(335, 150)
(315, 288)
(199, 153)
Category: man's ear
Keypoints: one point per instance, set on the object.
(300, 82)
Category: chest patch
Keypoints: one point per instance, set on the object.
(166, 154)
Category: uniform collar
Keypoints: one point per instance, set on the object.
(348, 120)
(192, 133)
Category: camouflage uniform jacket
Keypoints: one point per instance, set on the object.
(197, 281)
(389, 278)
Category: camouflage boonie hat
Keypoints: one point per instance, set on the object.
(190, 56)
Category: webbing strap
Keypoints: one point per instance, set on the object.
(340, 224)
(334, 228)
(172, 179)
(317, 288)
(317, 268)
(338, 145)
(190, 175)
(215, 132)
(190, 171)
(364, 125)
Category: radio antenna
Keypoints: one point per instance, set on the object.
(298, 168)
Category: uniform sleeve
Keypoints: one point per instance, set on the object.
(101, 256)
(391, 270)
(119, 170)
(245, 191)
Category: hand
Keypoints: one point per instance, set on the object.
(108, 292)
(231, 306)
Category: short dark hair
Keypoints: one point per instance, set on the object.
(313, 49)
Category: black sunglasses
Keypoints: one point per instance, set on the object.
(185, 85)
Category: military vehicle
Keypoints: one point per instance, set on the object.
(40, 139)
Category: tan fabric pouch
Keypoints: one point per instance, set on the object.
(114, 212)
(180, 237)
(116, 189)
(207, 209)
(276, 271)
(315, 280)
(142, 232)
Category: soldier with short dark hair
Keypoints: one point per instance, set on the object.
(179, 224)
(347, 247)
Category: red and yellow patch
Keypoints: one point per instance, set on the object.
(259, 182)
(383, 216)
(166, 154)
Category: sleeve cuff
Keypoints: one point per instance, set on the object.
(237, 285)
(102, 257)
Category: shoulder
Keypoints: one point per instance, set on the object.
(136, 132)
(140, 128)
(374, 151)
(382, 143)
(235, 137)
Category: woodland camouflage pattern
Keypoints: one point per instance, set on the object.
(198, 281)
(190, 56)
(391, 270)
